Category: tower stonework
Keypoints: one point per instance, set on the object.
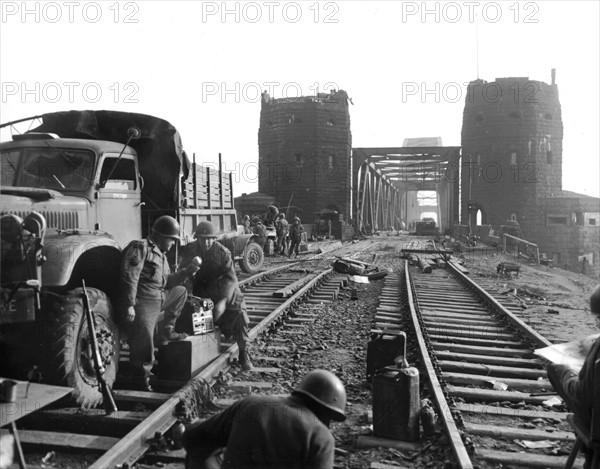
(305, 147)
(512, 170)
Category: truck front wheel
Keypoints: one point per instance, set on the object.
(70, 358)
(252, 258)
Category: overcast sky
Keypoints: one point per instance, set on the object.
(202, 65)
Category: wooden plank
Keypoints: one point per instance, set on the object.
(478, 350)
(490, 395)
(525, 385)
(477, 342)
(491, 370)
(498, 431)
(366, 441)
(534, 460)
(65, 440)
(509, 412)
(532, 363)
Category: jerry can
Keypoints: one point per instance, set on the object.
(383, 348)
(396, 403)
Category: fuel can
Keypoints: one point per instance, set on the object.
(396, 403)
(383, 348)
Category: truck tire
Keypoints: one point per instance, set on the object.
(70, 362)
(252, 258)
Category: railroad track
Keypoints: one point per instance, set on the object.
(145, 418)
(489, 388)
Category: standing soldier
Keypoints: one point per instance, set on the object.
(148, 287)
(216, 279)
(282, 232)
(246, 224)
(296, 230)
(260, 231)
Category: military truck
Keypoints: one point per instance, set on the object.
(74, 191)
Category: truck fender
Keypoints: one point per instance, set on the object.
(237, 243)
(64, 256)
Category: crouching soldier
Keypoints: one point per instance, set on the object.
(216, 279)
(147, 288)
(267, 432)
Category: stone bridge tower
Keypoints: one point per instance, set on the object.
(305, 147)
(512, 170)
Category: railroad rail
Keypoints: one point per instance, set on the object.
(489, 388)
(270, 296)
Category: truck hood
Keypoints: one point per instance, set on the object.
(61, 212)
(31, 192)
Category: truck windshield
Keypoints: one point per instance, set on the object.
(49, 168)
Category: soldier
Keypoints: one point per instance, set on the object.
(296, 230)
(216, 279)
(148, 287)
(282, 233)
(266, 432)
(577, 389)
(260, 231)
(246, 224)
(271, 215)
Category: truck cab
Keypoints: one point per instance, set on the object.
(76, 184)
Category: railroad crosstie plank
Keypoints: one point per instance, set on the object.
(540, 461)
(482, 350)
(66, 440)
(491, 370)
(525, 385)
(520, 413)
(499, 431)
(533, 363)
(490, 395)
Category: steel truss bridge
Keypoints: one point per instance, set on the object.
(386, 182)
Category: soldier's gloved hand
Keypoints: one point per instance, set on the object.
(130, 314)
(194, 265)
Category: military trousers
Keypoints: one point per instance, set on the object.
(141, 335)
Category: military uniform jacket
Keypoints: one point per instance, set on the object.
(145, 273)
(282, 227)
(580, 387)
(261, 232)
(216, 277)
(264, 432)
(296, 232)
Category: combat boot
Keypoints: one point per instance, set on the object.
(170, 334)
(245, 361)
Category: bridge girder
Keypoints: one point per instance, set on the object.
(383, 177)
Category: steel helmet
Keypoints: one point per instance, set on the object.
(326, 389)
(206, 229)
(166, 226)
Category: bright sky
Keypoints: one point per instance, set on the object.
(202, 65)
